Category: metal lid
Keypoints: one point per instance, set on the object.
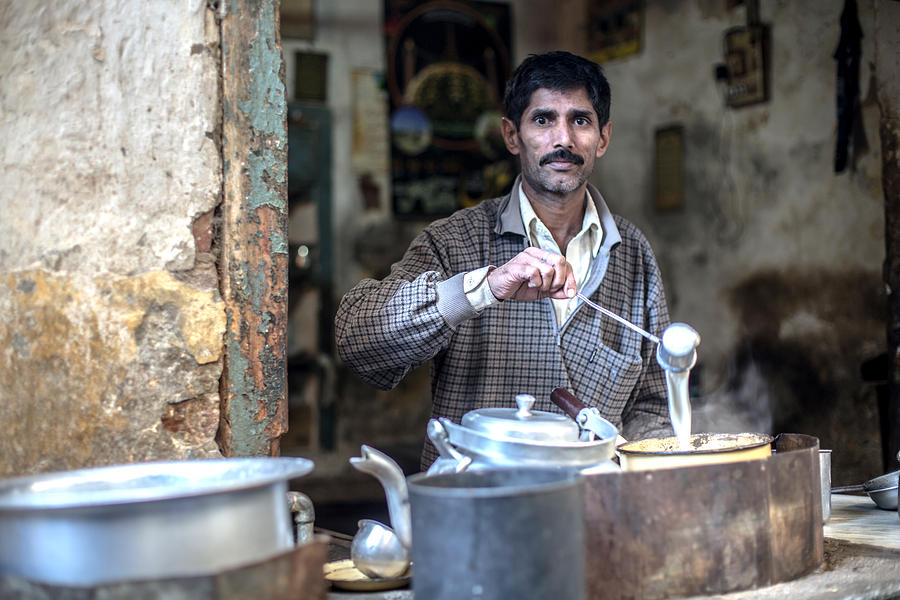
(523, 423)
(146, 482)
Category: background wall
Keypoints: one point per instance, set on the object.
(111, 328)
(773, 258)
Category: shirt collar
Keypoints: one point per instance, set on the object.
(510, 218)
(590, 223)
(528, 216)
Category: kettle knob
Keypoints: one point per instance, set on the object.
(524, 402)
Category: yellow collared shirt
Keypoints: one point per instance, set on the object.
(580, 252)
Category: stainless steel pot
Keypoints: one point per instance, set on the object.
(146, 520)
(490, 534)
(497, 534)
(520, 437)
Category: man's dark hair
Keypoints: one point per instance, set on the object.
(558, 71)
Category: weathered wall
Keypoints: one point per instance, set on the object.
(111, 327)
(775, 259)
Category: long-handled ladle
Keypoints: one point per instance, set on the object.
(613, 315)
(677, 354)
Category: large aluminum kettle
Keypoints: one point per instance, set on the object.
(521, 437)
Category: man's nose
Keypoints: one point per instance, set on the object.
(563, 135)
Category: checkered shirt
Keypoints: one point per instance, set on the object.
(419, 312)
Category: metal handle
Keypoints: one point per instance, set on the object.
(524, 402)
(304, 516)
(848, 488)
(613, 315)
(438, 435)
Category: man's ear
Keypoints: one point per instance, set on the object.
(605, 134)
(510, 135)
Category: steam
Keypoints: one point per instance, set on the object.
(743, 404)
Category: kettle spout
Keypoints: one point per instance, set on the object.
(390, 475)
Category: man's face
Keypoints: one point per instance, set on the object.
(558, 140)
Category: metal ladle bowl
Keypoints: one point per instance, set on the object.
(376, 551)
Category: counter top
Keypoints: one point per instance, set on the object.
(856, 519)
(862, 557)
(862, 561)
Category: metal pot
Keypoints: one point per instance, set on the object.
(498, 534)
(146, 520)
(491, 534)
(702, 449)
(520, 437)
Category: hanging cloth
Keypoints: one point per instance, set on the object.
(847, 55)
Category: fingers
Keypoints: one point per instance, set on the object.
(533, 274)
(568, 287)
(557, 280)
(538, 268)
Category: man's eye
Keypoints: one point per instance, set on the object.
(540, 120)
(581, 121)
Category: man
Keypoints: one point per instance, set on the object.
(488, 294)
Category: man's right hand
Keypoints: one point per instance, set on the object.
(533, 274)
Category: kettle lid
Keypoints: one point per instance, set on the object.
(522, 423)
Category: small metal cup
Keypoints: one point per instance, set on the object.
(825, 481)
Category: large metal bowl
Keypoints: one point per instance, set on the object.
(146, 520)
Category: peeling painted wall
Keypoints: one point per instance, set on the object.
(112, 325)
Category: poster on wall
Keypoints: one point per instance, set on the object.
(447, 64)
(614, 28)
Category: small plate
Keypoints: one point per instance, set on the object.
(342, 574)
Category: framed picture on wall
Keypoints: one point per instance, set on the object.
(447, 64)
(614, 28)
(668, 168)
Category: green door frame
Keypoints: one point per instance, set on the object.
(253, 241)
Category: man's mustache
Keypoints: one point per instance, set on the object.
(561, 154)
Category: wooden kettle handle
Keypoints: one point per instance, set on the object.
(567, 401)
